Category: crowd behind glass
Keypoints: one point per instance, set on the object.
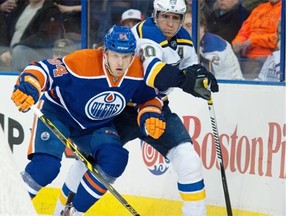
(222, 24)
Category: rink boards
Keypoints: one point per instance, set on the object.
(252, 128)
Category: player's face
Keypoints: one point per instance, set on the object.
(169, 23)
(118, 62)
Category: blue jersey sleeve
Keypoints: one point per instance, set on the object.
(143, 94)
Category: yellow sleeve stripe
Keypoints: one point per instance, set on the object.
(156, 69)
(164, 43)
(140, 27)
(184, 41)
(193, 196)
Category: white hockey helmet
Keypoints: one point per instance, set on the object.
(173, 6)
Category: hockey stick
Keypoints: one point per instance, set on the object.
(73, 147)
(218, 151)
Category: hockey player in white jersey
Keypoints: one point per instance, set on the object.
(217, 54)
(167, 51)
(169, 60)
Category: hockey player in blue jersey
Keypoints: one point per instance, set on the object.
(83, 93)
(169, 60)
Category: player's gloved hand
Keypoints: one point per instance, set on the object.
(193, 84)
(26, 92)
(151, 121)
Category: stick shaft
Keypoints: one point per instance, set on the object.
(219, 157)
(80, 156)
(218, 151)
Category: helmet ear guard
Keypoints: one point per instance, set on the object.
(120, 39)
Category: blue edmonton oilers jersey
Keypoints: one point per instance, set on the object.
(81, 84)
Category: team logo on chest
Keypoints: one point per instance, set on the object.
(105, 105)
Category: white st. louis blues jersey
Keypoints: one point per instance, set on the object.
(155, 50)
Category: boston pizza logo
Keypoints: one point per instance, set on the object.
(155, 162)
(105, 105)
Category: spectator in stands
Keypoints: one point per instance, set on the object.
(227, 18)
(251, 4)
(6, 6)
(204, 7)
(117, 7)
(217, 55)
(271, 70)
(187, 22)
(63, 47)
(257, 39)
(210, 3)
(131, 17)
(32, 28)
(71, 12)
(189, 5)
(103, 14)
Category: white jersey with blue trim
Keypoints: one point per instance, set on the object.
(155, 50)
(270, 70)
(217, 55)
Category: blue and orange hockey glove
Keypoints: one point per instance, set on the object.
(151, 121)
(26, 92)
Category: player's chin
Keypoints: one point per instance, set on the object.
(169, 34)
(120, 72)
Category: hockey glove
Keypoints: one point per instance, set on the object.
(26, 92)
(151, 121)
(193, 84)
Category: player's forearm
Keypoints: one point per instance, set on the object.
(168, 76)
